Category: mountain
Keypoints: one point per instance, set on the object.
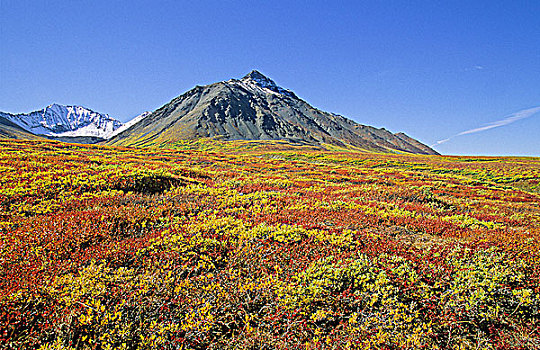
(65, 122)
(130, 123)
(256, 108)
(11, 130)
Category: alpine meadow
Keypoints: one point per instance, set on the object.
(269, 175)
(269, 246)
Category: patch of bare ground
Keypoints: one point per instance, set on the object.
(418, 240)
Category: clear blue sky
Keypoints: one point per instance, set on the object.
(432, 69)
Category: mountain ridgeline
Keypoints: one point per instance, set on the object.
(75, 124)
(59, 120)
(251, 108)
(255, 108)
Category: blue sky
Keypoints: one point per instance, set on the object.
(430, 69)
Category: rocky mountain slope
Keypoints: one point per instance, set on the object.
(130, 123)
(256, 108)
(11, 130)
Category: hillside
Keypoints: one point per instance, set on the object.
(8, 129)
(256, 108)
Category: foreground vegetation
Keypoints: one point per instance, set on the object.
(122, 248)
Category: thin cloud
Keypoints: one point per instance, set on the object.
(441, 141)
(473, 68)
(512, 118)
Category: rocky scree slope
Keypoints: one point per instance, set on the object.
(255, 108)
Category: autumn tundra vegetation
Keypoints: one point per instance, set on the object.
(266, 247)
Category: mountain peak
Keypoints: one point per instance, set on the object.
(256, 75)
(264, 82)
(260, 79)
(55, 107)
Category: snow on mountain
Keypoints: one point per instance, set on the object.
(59, 120)
(257, 79)
(130, 123)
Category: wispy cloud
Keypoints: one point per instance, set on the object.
(441, 141)
(512, 118)
(473, 68)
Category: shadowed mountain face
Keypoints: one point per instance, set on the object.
(10, 130)
(255, 108)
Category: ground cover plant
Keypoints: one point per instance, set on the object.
(267, 248)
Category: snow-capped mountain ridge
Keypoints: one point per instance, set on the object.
(130, 123)
(260, 80)
(59, 121)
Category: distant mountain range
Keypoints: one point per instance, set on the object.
(71, 121)
(66, 123)
(251, 108)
